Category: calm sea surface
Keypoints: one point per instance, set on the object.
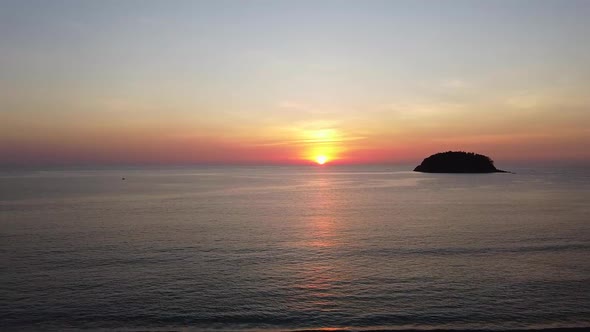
(290, 248)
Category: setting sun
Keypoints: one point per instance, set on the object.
(321, 160)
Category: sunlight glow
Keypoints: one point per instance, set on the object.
(320, 145)
(321, 160)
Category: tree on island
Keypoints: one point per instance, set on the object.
(457, 162)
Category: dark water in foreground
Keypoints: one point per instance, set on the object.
(294, 248)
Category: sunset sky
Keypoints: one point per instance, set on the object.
(283, 82)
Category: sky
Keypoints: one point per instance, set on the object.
(285, 82)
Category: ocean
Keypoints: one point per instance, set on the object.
(294, 248)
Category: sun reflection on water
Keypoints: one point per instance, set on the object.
(319, 277)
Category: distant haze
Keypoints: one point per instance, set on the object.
(283, 82)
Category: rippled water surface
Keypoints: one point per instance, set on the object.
(294, 248)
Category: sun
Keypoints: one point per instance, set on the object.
(321, 160)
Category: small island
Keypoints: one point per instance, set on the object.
(457, 162)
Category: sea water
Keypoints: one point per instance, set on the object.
(288, 248)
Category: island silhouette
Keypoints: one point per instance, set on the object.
(457, 162)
